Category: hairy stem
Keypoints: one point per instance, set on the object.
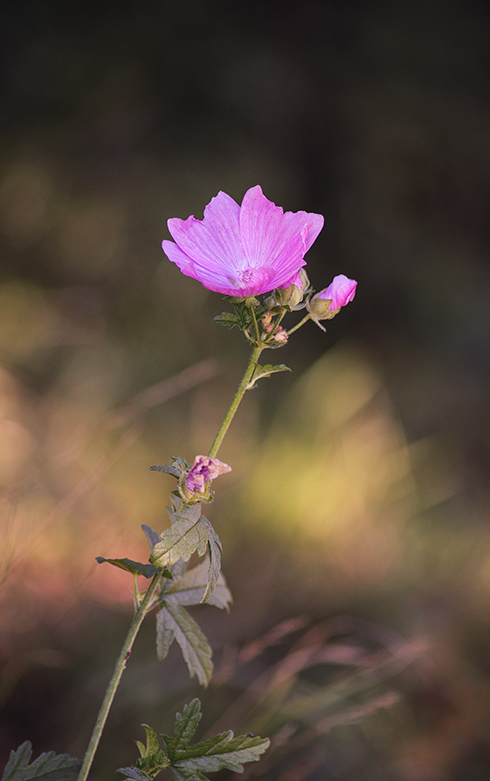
(298, 325)
(116, 677)
(236, 400)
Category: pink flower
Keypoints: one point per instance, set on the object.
(202, 471)
(342, 290)
(242, 250)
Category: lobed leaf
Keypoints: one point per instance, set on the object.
(135, 774)
(48, 766)
(189, 763)
(135, 567)
(228, 320)
(152, 536)
(189, 588)
(190, 532)
(214, 546)
(169, 470)
(187, 534)
(173, 621)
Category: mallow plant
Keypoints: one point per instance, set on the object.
(254, 255)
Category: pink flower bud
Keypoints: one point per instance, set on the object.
(339, 293)
(202, 471)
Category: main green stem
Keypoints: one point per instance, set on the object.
(236, 401)
(140, 613)
(116, 677)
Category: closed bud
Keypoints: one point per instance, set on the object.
(292, 293)
(328, 302)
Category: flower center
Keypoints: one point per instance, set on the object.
(246, 276)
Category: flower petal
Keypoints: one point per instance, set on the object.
(214, 241)
(272, 238)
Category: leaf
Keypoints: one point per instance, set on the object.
(195, 648)
(48, 766)
(189, 589)
(188, 763)
(135, 567)
(169, 470)
(228, 320)
(219, 752)
(134, 773)
(187, 534)
(185, 726)
(152, 536)
(165, 633)
(214, 546)
(266, 371)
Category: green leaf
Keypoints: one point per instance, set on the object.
(266, 371)
(152, 536)
(190, 532)
(189, 588)
(187, 534)
(214, 547)
(48, 766)
(195, 648)
(169, 470)
(228, 320)
(219, 752)
(188, 763)
(135, 567)
(186, 724)
(135, 774)
(165, 633)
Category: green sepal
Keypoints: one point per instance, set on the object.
(47, 767)
(266, 371)
(136, 567)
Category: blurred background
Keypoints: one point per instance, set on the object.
(355, 522)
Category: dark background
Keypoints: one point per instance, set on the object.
(360, 481)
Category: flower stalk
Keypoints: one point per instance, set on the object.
(254, 358)
(116, 677)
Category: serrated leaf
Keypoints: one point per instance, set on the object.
(152, 745)
(47, 767)
(165, 633)
(134, 774)
(188, 763)
(152, 536)
(186, 724)
(220, 752)
(135, 567)
(195, 648)
(214, 546)
(266, 371)
(169, 470)
(189, 589)
(189, 532)
(228, 320)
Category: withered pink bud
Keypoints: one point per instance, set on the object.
(202, 471)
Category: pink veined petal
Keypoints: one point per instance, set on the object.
(214, 241)
(242, 251)
(272, 238)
